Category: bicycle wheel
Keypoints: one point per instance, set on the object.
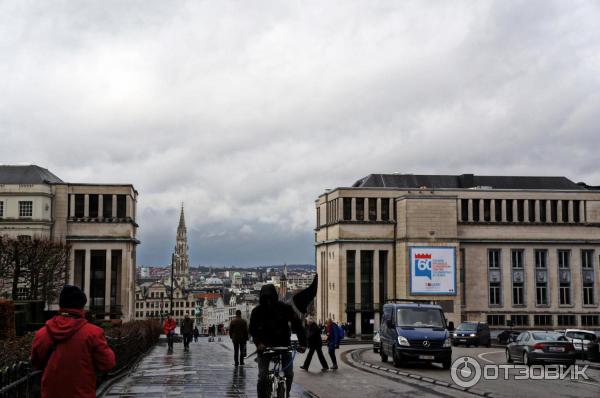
(281, 389)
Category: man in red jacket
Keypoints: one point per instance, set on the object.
(70, 350)
(169, 329)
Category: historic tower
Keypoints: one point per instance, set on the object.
(180, 255)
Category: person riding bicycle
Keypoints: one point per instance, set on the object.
(169, 329)
(270, 327)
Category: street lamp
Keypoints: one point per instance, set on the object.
(172, 277)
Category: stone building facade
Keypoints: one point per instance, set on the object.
(96, 220)
(526, 248)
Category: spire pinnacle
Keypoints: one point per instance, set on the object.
(181, 218)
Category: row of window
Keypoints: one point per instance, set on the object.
(156, 314)
(543, 320)
(541, 277)
(165, 304)
(521, 210)
(25, 209)
(94, 206)
(365, 209)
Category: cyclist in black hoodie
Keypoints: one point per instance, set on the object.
(270, 327)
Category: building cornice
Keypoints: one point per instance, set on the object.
(90, 238)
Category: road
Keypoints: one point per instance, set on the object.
(502, 388)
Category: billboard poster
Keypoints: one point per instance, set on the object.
(432, 270)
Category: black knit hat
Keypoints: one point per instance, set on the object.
(72, 297)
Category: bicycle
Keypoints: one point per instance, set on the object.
(277, 382)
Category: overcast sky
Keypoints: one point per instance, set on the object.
(247, 110)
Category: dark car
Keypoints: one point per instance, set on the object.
(539, 346)
(507, 336)
(472, 333)
(414, 332)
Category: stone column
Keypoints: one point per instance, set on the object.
(470, 210)
(493, 210)
(100, 206)
(114, 206)
(459, 209)
(72, 206)
(582, 211)
(392, 204)
(86, 276)
(378, 209)
(357, 290)
(86, 205)
(559, 213)
(340, 208)
(503, 210)
(548, 211)
(107, 280)
(537, 211)
(353, 209)
(376, 277)
(526, 210)
(72, 267)
(366, 209)
(481, 210)
(515, 215)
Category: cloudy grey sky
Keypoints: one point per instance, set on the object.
(247, 111)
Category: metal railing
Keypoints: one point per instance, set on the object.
(20, 381)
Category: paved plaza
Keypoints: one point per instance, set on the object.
(207, 370)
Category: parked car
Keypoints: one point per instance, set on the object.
(581, 339)
(414, 332)
(472, 333)
(376, 342)
(540, 346)
(508, 336)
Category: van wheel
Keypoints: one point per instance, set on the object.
(384, 357)
(508, 357)
(396, 359)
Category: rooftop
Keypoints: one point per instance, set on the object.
(468, 181)
(31, 174)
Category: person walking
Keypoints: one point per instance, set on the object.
(238, 331)
(333, 341)
(169, 329)
(187, 330)
(270, 327)
(70, 350)
(314, 344)
(196, 334)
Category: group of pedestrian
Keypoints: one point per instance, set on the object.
(315, 343)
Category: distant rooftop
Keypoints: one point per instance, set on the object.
(467, 181)
(31, 174)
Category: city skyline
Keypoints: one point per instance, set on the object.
(248, 113)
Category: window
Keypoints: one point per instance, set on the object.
(383, 257)
(1, 209)
(121, 206)
(79, 205)
(25, 208)
(385, 209)
(517, 258)
(93, 206)
(494, 277)
(520, 210)
(360, 209)
(566, 320)
(564, 278)
(350, 264)
(520, 320)
(553, 211)
(541, 277)
(565, 211)
(542, 320)
(476, 215)
(576, 215)
(542, 211)
(366, 277)
(587, 276)
(496, 320)
(498, 209)
(464, 210)
(518, 277)
(372, 209)
(531, 206)
(590, 320)
(509, 210)
(486, 210)
(107, 205)
(347, 208)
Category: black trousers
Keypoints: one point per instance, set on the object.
(332, 356)
(239, 353)
(319, 351)
(187, 339)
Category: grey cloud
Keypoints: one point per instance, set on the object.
(247, 112)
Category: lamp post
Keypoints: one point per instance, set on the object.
(172, 277)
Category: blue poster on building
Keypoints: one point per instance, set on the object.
(432, 270)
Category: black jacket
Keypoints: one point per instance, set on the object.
(314, 336)
(269, 321)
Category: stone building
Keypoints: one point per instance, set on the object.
(97, 220)
(520, 250)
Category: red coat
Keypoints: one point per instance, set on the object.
(82, 351)
(169, 326)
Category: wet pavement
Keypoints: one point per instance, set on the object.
(207, 370)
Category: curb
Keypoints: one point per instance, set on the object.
(355, 361)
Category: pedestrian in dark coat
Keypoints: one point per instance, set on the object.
(70, 350)
(333, 341)
(196, 334)
(238, 331)
(187, 330)
(314, 344)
